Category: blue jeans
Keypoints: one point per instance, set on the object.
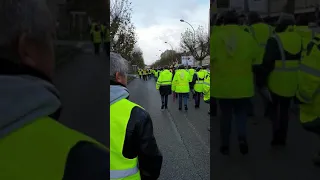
(237, 108)
(183, 96)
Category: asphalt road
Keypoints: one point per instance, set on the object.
(84, 89)
(181, 136)
(263, 162)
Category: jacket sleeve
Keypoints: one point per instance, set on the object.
(193, 82)
(270, 56)
(140, 142)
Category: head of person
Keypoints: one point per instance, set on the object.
(286, 23)
(198, 68)
(302, 20)
(242, 19)
(166, 67)
(118, 68)
(230, 18)
(254, 18)
(27, 34)
(181, 66)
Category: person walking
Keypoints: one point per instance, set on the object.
(261, 32)
(197, 85)
(232, 85)
(164, 86)
(96, 38)
(131, 156)
(280, 63)
(33, 143)
(308, 94)
(180, 85)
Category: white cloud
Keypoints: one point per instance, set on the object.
(159, 21)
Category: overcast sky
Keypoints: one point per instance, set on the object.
(158, 21)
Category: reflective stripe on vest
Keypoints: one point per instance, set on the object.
(115, 174)
(313, 72)
(283, 58)
(205, 83)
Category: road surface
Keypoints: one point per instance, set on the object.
(84, 89)
(264, 162)
(182, 136)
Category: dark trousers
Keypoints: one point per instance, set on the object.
(145, 77)
(107, 47)
(197, 98)
(238, 109)
(96, 48)
(280, 117)
(184, 97)
(213, 106)
(140, 76)
(164, 100)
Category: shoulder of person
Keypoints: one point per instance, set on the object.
(87, 160)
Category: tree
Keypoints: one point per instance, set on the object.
(166, 58)
(196, 44)
(137, 58)
(122, 30)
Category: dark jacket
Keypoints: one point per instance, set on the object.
(272, 53)
(40, 98)
(140, 141)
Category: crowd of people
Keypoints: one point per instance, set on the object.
(277, 63)
(184, 81)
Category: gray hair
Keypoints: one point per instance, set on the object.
(118, 64)
(31, 17)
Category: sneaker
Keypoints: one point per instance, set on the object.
(224, 150)
(186, 108)
(180, 108)
(162, 106)
(196, 106)
(166, 107)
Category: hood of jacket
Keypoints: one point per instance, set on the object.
(118, 92)
(24, 98)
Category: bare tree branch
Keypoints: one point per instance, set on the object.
(198, 47)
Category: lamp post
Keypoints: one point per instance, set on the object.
(194, 32)
(171, 50)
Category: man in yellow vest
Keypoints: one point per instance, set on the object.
(308, 93)
(106, 37)
(33, 144)
(144, 74)
(164, 86)
(197, 85)
(302, 28)
(191, 72)
(280, 63)
(261, 32)
(96, 38)
(131, 156)
(231, 61)
(180, 85)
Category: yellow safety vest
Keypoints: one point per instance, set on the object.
(198, 87)
(121, 167)
(97, 36)
(144, 72)
(231, 61)
(180, 83)
(206, 88)
(309, 83)
(164, 79)
(261, 32)
(306, 34)
(191, 72)
(38, 150)
(283, 80)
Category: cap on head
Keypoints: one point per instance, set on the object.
(286, 19)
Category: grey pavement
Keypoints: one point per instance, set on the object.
(84, 89)
(181, 136)
(263, 162)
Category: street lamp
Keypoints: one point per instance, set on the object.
(194, 32)
(171, 50)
